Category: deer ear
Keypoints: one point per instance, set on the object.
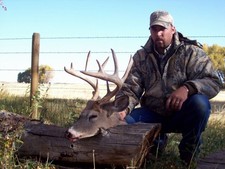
(117, 105)
(121, 103)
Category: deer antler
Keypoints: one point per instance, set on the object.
(114, 78)
(78, 74)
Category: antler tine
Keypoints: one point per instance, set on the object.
(119, 82)
(116, 72)
(128, 68)
(101, 74)
(101, 67)
(80, 75)
(105, 62)
(87, 60)
(96, 91)
(114, 78)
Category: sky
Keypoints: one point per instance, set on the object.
(68, 29)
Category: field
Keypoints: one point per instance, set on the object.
(61, 103)
(59, 91)
(67, 90)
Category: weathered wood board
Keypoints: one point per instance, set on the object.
(215, 160)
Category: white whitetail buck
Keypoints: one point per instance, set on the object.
(99, 113)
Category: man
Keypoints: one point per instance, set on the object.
(173, 79)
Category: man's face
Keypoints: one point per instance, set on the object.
(161, 36)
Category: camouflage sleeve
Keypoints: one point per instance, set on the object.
(133, 85)
(202, 76)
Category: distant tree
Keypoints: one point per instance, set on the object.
(45, 75)
(217, 55)
(24, 77)
(2, 5)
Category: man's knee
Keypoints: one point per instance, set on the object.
(200, 105)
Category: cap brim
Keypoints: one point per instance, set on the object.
(164, 24)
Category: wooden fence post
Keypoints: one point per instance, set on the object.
(34, 74)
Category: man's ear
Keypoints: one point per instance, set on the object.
(173, 28)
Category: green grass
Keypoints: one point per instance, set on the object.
(63, 112)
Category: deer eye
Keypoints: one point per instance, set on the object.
(92, 117)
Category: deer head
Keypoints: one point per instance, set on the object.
(99, 113)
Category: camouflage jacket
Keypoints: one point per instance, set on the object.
(152, 80)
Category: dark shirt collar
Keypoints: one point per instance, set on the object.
(164, 52)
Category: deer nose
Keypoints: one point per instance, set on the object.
(68, 134)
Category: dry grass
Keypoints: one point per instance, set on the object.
(213, 136)
(68, 91)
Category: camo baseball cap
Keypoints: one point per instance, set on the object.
(161, 18)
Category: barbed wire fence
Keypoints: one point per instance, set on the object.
(8, 53)
(16, 53)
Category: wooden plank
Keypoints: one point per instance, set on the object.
(214, 160)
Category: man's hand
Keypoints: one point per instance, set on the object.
(176, 99)
(122, 114)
